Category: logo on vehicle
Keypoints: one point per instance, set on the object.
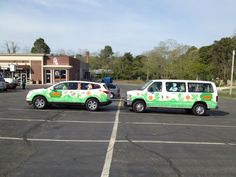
(56, 94)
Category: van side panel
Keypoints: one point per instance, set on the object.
(180, 100)
(182, 97)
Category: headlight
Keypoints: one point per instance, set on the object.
(128, 96)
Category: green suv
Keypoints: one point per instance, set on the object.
(90, 94)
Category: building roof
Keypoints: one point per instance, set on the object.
(22, 54)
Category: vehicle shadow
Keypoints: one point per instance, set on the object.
(108, 108)
(215, 113)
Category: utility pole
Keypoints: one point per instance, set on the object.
(232, 74)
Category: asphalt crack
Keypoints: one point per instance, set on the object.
(144, 149)
(29, 144)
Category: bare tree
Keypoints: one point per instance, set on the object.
(11, 47)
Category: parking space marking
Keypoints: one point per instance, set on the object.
(178, 142)
(175, 124)
(110, 149)
(111, 122)
(57, 121)
(54, 140)
(118, 141)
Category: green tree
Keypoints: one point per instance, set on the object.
(105, 56)
(162, 61)
(127, 66)
(40, 47)
(222, 56)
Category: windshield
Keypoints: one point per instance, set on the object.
(146, 85)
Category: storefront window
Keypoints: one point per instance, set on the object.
(60, 74)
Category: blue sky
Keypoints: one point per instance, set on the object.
(134, 26)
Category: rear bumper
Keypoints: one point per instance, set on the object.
(105, 103)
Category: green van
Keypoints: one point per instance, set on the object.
(193, 96)
(90, 94)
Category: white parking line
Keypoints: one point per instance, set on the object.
(57, 121)
(178, 142)
(55, 140)
(109, 154)
(174, 124)
(111, 122)
(117, 141)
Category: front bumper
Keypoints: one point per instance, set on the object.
(127, 103)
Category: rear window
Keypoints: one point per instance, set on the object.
(105, 86)
(200, 87)
(111, 86)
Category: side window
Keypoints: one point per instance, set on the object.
(96, 86)
(200, 87)
(61, 86)
(181, 87)
(84, 86)
(72, 86)
(155, 87)
(88, 86)
(175, 86)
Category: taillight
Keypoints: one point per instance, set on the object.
(106, 92)
(216, 98)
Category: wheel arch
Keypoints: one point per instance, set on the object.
(200, 102)
(41, 96)
(92, 97)
(139, 99)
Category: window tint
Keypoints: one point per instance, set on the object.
(111, 86)
(175, 87)
(200, 87)
(72, 86)
(89, 86)
(96, 86)
(155, 87)
(145, 85)
(62, 86)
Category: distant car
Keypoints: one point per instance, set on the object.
(114, 90)
(107, 80)
(11, 83)
(90, 94)
(3, 85)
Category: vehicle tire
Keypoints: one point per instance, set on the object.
(139, 106)
(199, 109)
(112, 95)
(92, 104)
(39, 102)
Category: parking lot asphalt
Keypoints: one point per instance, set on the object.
(70, 141)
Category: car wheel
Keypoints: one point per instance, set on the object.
(92, 104)
(199, 109)
(112, 95)
(139, 106)
(39, 102)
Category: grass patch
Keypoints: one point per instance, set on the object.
(225, 93)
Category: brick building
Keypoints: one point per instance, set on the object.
(43, 69)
